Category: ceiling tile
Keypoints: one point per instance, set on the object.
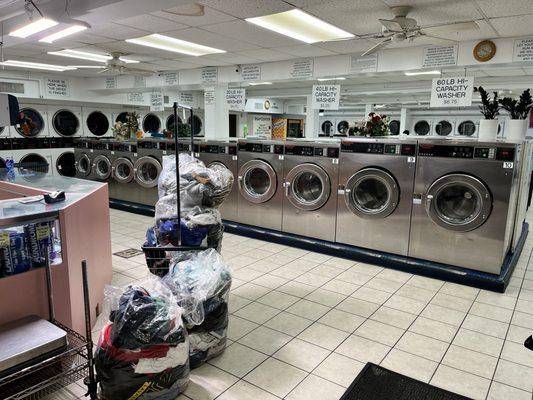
(152, 23)
(117, 32)
(347, 46)
(211, 39)
(499, 8)
(247, 8)
(266, 55)
(232, 58)
(211, 16)
(514, 26)
(305, 50)
(174, 65)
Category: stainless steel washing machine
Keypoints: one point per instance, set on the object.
(310, 182)
(464, 203)
(375, 193)
(123, 158)
(101, 157)
(83, 157)
(260, 180)
(149, 162)
(224, 153)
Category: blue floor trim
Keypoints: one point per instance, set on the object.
(481, 280)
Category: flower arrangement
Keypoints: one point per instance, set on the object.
(373, 125)
(518, 109)
(490, 108)
(129, 129)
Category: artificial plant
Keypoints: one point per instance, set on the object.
(490, 108)
(373, 125)
(518, 109)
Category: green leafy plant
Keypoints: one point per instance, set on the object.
(490, 108)
(518, 109)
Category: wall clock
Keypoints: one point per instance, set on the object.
(484, 50)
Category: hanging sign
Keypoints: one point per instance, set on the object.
(209, 97)
(139, 81)
(110, 82)
(452, 92)
(250, 73)
(268, 105)
(186, 99)
(169, 78)
(57, 87)
(326, 97)
(137, 97)
(262, 126)
(157, 102)
(363, 64)
(209, 75)
(236, 99)
(301, 69)
(523, 50)
(439, 56)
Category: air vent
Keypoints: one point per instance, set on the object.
(10, 87)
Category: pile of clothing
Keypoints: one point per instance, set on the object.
(143, 351)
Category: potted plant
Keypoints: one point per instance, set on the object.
(490, 108)
(518, 111)
(373, 125)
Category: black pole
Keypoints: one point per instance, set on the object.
(192, 132)
(91, 382)
(178, 204)
(49, 284)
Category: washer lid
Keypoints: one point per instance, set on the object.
(146, 171)
(102, 167)
(458, 202)
(257, 181)
(372, 193)
(307, 187)
(122, 170)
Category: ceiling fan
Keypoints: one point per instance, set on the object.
(402, 28)
(116, 66)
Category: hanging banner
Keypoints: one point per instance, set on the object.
(57, 87)
(523, 50)
(186, 99)
(157, 102)
(110, 82)
(135, 97)
(363, 64)
(169, 78)
(250, 73)
(301, 69)
(209, 75)
(236, 99)
(326, 97)
(452, 92)
(262, 126)
(209, 97)
(439, 56)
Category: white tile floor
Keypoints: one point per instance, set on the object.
(303, 325)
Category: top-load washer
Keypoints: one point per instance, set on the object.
(310, 173)
(149, 162)
(464, 203)
(97, 122)
(375, 193)
(101, 157)
(65, 121)
(33, 122)
(260, 181)
(83, 157)
(63, 158)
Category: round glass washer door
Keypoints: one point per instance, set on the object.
(257, 181)
(66, 164)
(122, 117)
(308, 187)
(151, 123)
(372, 193)
(169, 124)
(122, 170)
(83, 165)
(343, 127)
(146, 171)
(458, 202)
(394, 127)
(327, 128)
(196, 125)
(31, 124)
(466, 128)
(422, 128)
(65, 123)
(443, 128)
(102, 167)
(33, 162)
(97, 123)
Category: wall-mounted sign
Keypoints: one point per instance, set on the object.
(251, 73)
(363, 64)
(264, 105)
(209, 75)
(110, 82)
(452, 92)
(186, 99)
(157, 102)
(262, 126)
(326, 97)
(209, 97)
(439, 56)
(139, 81)
(137, 97)
(301, 69)
(236, 99)
(523, 50)
(169, 78)
(57, 87)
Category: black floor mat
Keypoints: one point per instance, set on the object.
(377, 383)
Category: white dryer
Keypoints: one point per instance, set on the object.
(63, 160)
(421, 126)
(394, 126)
(168, 120)
(152, 122)
(197, 124)
(97, 122)
(5, 151)
(444, 126)
(34, 122)
(5, 132)
(328, 126)
(65, 121)
(32, 154)
(342, 126)
(467, 127)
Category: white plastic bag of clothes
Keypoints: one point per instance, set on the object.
(201, 282)
(143, 350)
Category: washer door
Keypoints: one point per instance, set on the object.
(343, 127)
(151, 123)
(31, 123)
(146, 171)
(466, 128)
(33, 162)
(169, 124)
(257, 181)
(196, 125)
(97, 123)
(122, 170)
(394, 127)
(219, 163)
(83, 165)
(102, 167)
(372, 193)
(65, 123)
(66, 164)
(122, 117)
(443, 128)
(307, 187)
(327, 128)
(422, 128)
(458, 202)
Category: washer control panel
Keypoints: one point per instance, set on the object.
(261, 148)
(467, 152)
(311, 151)
(392, 149)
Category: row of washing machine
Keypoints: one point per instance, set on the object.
(71, 121)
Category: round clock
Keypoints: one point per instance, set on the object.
(484, 50)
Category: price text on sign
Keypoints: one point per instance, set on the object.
(452, 92)
(326, 97)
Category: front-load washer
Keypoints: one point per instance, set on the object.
(83, 157)
(63, 158)
(33, 122)
(310, 173)
(151, 123)
(224, 153)
(65, 121)
(32, 154)
(444, 127)
(327, 126)
(375, 193)
(464, 203)
(97, 122)
(149, 162)
(260, 180)
(101, 157)
(422, 127)
(467, 127)
(123, 158)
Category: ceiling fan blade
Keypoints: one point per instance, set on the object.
(451, 28)
(376, 47)
(135, 71)
(391, 25)
(429, 39)
(103, 71)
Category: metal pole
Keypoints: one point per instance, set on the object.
(91, 382)
(178, 203)
(49, 285)
(192, 132)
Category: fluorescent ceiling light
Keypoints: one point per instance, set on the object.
(259, 83)
(301, 26)
(168, 43)
(422, 73)
(33, 28)
(87, 66)
(32, 65)
(83, 55)
(339, 78)
(71, 30)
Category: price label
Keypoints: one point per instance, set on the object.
(4, 239)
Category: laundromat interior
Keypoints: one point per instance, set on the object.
(266, 199)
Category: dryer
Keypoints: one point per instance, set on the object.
(151, 122)
(328, 126)
(5, 132)
(342, 127)
(196, 124)
(260, 180)
(168, 122)
(32, 154)
(375, 193)
(444, 127)
(97, 122)
(101, 159)
(63, 158)
(33, 122)
(467, 127)
(464, 203)
(422, 126)
(83, 160)
(310, 172)
(65, 121)
(149, 162)
(394, 127)
(6, 152)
